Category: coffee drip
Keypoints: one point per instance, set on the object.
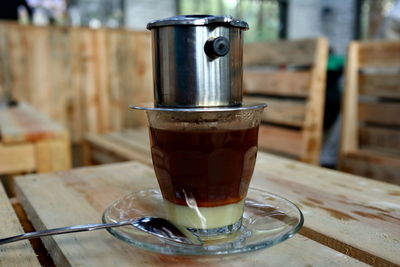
(203, 137)
(198, 63)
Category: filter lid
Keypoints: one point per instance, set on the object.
(199, 20)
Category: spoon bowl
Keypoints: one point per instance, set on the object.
(164, 229)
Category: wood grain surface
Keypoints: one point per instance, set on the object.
(81, 195)
(349, 134)
(280, 140)
(355, 215)
(380, 85)
(13, 254)
(281, 83)
(373, 163)
(83, 78)
(388, 139)
(23, 123)
(297, 52)
(290, 77)
(379, 113)
(374, 54)
(17, 158)
(31, 141)
(281, 111)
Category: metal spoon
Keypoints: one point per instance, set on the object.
(159, 227)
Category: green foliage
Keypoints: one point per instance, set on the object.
(261, 15)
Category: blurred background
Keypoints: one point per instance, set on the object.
(340, 21)
(82, 62)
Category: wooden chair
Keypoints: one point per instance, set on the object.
(370, 135)
(290, 77)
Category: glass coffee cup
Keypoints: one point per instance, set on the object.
(204, 160)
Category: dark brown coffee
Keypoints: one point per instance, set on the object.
(213, 167)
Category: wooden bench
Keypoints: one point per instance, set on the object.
(370, 135)
(290, 77)
(128, 144)
(31, 142)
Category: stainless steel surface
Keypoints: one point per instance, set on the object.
(199, 20)
(150, 106)
(185, 75)
(152, 225)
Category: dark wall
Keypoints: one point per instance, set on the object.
(8, 9)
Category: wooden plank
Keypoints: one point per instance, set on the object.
(90, 96)
(23, 123)
(84, 79)
(37, 245)
(102, 82)
(380, 85)
(142, 90)
(60, 74)
(39, 63)
(380, 137)
(87, 192)
(137, 67)
(53, 155)
(138, 139)
(32, 142)
(17, 158)
(43, 155)
(131, 76)
(383, 113)
(313, 124)
(281, 111)
(3, 67)
(75, 110)
(120, 148)
(272, 138)
(373, 164)
(354, 215)
(119, 63)
(293, 52)
(13, 254)
(349, 133)
(18, 44)
(5, 76)
(281, 83)
(99, 155)
(379, 54)
(139, 134)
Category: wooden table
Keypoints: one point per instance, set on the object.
(31, 142)
(349, 220)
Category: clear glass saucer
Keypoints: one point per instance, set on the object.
(268, 219)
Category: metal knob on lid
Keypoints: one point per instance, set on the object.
(197, 61)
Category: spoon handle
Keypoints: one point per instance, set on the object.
(64, 230)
